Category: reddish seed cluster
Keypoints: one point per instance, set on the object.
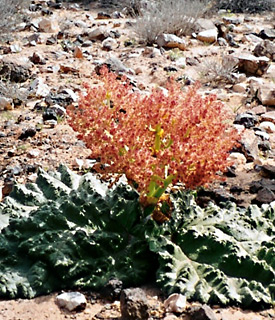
(174, 133)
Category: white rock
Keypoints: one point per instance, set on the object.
(208, 36)
(262, 134)
(109, 43)
(239, 87)
(39, 88)
(167, 40)
(238, 158)
(6, 103)
(267, 126)
(71, 300)
(33, 153)
(266, 94)
(175, 303)
(73, 95)
(181, 62)
(48, 26)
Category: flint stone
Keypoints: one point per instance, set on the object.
(269, 116)
(267, 126)
(267, 34)
(71, 300)
(266, 94)
(114, 65)
(203, 313)
(175, 303)
(264, 195)
(208, 36)
(246, 119)
(255, 186)
(265, 48)
(249, 145)
(269, 171)
(15, 72)
(232, 20)
(251, 64)
(6, 103)
(48, 26)
(134, 304)
(204, 24)
(167, 40)
(39, 88)
(109, 43)
(98, 34)
(239, 88)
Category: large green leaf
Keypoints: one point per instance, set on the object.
(69, 231)
(218, 255)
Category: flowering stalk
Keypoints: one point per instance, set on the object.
(155, 140)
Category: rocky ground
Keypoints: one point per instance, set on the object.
(60, 47)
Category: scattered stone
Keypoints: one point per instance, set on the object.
(26, 133)
(248, 120)
(98, 34)
(264, 195)
(202, 313)
(36, 58)
(71, 301)
(232, 20)
(49, 114)
(51, 123)
(78, 53)
(269, 171)
(112, 290)
(250, 64)
(208, 36)
(265, 48)
(34, 153)
(134, 304)
(6, 104)
(204, 24)
(15, 72)
(175, 303)
(15, 48)
(109, 44)
(239, 88)
(267, 126)
(269, 116)
(249, 145)
(238, 158)
(267, 34)
(39, 88)
(166, 40)
(266, 94)
(114, 65)
(48, 26)
(63, 98)
(103, 15)
(51, 40)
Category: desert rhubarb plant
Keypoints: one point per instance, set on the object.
(155, 140)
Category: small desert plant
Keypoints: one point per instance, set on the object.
(162, 16)
(217, 70)
(155, 140)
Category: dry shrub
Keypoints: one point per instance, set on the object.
(217, 70)
(168, 16)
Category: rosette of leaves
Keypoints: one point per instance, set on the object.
(68, 231)
(218, 255)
